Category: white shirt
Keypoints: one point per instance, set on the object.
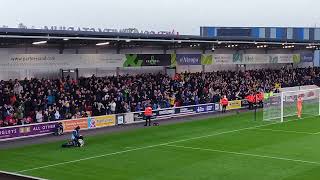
(113, 106)
(39, 117)
(57, 115)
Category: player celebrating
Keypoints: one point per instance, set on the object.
(299, 107)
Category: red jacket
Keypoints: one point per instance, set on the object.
(224, 102)
(148, 111)
(260, 97)
(250, 98)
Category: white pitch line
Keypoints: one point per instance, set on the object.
(316, 133)
(88, 158)
(146, 147)
(285, 131)
(246, 154)
(20, 175)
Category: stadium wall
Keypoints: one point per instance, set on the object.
(50, 72)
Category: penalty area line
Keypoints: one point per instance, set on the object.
(285, 131)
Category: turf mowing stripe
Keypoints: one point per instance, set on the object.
(146, 147)
(246, 154)
(276, 130)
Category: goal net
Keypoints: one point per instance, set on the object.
(283, 106)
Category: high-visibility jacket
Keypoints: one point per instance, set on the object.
(224, 102)
(256, 98)
(260, 96)
(250, 98)
(148, 111)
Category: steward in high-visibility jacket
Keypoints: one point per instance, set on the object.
(250, 99)
(224, 103)
(260, 98)
(148, 115)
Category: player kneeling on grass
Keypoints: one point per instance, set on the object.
(76, 139)
(299, 106)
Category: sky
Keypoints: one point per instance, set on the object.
(184, 16)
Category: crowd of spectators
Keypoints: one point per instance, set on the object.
(42, 100)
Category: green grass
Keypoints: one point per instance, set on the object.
(223, 148)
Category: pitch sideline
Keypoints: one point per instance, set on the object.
(20, 175)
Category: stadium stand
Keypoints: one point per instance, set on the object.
(42, 100)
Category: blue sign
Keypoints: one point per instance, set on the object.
(317, 58)
(201, 108)
(189, 59)
(306, 57)
(211, 108)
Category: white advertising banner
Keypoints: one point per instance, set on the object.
(38, 61)
(128, 118)
(266, 58)
(256, 59)
(288, 58)
(223, 59)
(68, 61)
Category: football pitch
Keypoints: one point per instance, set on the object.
(222, 148)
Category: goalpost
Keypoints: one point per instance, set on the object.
(283, 106)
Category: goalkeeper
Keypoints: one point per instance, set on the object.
(299, 107)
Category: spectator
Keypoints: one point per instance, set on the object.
(39, 116)
(57, 115)
(113, 106)
(66, 98)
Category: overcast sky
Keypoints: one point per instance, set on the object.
(185, 16)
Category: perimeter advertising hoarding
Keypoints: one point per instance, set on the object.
(307, 57)
(128, 118)
(316, 59)
(61, 61)
(234, 105)
(42, 61)
(138, 60)
(101, 121)
(239, 58)
(188, 59)
(191, 59)
(120, 119)
(223, 59)
(172, 112)
(27, 130)
(70, 125)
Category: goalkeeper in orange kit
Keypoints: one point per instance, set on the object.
(299, 107)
